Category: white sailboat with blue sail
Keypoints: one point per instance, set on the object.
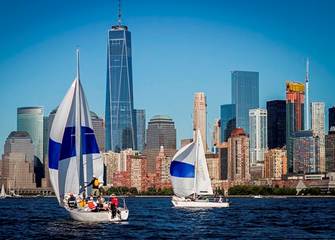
(74, 155)
(190, 178)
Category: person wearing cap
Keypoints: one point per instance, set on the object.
(72, 202)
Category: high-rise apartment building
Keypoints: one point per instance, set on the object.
(305, 152)
(331, 117)
(99, 130)
(140, 128)
(276, 110)
(330, 150)
(18, 162)
(119, 117)
(30, 120)
(245, 96)
(258, 135)
(238, 156)
(163, 163)
(295, 93)
(228, 120)
(200, 116)
(216, 134)
(318, 128)
(275, 164)
(161, 132)
(213, 166)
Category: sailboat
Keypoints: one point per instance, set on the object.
(74, 156)
(3, 192)
(190, 178)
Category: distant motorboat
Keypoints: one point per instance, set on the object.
(258, 196)
(190, 178)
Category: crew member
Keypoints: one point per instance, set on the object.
(114, 202)
(72, 202)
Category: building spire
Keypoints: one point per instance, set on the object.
(119, 14)
(77, 51)
(307, 95)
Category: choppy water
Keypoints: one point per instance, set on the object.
(155, 218)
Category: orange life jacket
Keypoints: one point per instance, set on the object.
(91, 204)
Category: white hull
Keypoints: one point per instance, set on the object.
(103, 216)
(186, 203)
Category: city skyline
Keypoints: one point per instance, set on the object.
(21, 61)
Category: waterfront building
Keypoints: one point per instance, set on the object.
(161, 132)
(136, 166)
(18, 162)
(245, 96)
(295, 93)
(331, 117)
(306, 149)
(30, 120)
(216, 135)
(184, 142)
(275, 164)
(330, 150)
(223, 156)
(140, 129)
(238, 156)
(258, 135)
(228, 120)
(276, 111)
(318, 128)
(213, 165)
(200, 116)
(119, 117)
(163, 163)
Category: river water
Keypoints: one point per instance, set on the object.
(155, 218)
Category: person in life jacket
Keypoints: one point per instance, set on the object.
(72, 202)
(92, 205)
(96, 185)
(114, 203)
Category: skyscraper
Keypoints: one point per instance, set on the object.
(99, 130)
(258, 135)
(119, 117)
(161, 132)
(245, 96)
(318, 128)
(30, 120)
(18, 161)
(295, 93)
(276, 110)
(275, 164)
(140, 128)
(331, 117)
(228, 120)
(330, 150)
(200, 116)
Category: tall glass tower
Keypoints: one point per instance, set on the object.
(119, 115)
(245, 96)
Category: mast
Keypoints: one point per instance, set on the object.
(119, 14)
(196, 136)
(78, 126)
(307, 126)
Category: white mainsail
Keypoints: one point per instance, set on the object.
(189, 172)
(3, 192)
(74, 155)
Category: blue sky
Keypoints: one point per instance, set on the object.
(179, 47)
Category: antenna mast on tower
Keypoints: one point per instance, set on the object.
(307, 95)
(119, 14)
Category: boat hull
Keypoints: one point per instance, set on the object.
(103, 216)
(186, 203)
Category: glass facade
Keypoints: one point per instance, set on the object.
(245, 96)
(228, 120)
(140, 128)
(276, 123)
(119, 118)
(258, 135)
(331, 115)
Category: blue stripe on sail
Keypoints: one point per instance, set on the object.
(54, 153)
(89, 142)
(180, 169)
(67, 149)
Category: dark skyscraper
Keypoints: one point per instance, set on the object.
(276, 123)
(161, 132)
(331, 115)
(119, 117)
(228, 121)
(140, 129)
(245, 96)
